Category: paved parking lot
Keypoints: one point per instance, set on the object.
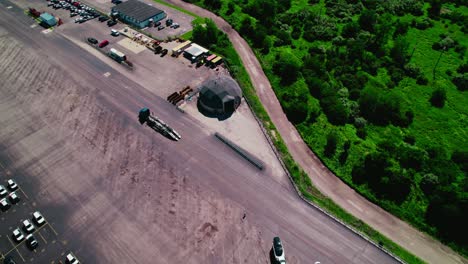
(50, 248)
(184, 20)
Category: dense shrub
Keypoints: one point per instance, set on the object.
(336, 111)
(422, 24)
(350, 30)
(330, 147)
(438, 97)
(367, 20)
(461, 81)
(295, 103)
(381, 109)
(399, 51)
(447, 212)
(428, 183)
(287, 67)
(401, 28)
(460, 157)
(382, 176)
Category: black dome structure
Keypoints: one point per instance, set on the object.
(219, 97)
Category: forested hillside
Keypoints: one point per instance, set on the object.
(377, 89)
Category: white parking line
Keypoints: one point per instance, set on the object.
(16, 248)
(45, 241)
(53, 230)
(25, 195)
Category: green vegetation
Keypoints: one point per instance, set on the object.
(377, 89)
(220, 44)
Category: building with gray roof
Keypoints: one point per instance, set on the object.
(137, 13)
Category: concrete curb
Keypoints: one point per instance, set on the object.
(278, 156)
(245, 154)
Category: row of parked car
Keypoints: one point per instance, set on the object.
(28, 228)
(13, 197)
(169, 23)
(76, 8)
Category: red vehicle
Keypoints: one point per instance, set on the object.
(77, 4)
(103, 43)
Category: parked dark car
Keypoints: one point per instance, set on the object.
(111, 23)
(164, 52)
(157, 24)
(161, 27)
(116, 2)
(9, 260)
(4, 204)
(157, 50)
(92, 40)
(169, 22)
(31, 242)
(103, 18)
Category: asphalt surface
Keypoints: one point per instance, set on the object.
(118, 192)
(418, 243)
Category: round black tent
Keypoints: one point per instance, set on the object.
(219, 97)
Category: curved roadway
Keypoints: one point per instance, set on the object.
(420, 244)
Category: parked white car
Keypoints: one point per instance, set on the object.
(38, 218)
(3, 191)
(18, 235)
(71, 259)
(12, 185)
(28, 226)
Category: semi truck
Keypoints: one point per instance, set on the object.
(145, 116)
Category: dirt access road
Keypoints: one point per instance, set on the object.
(397, 230)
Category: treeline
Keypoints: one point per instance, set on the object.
(350, 43)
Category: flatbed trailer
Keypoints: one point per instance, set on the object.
(144, 116)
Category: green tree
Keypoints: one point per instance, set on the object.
(336, 111)
(263, 10)
(247, 28)
(350, 30)
(345, 153)
(367, 20)
(447, 212)
(438, 97)
(231, 8)
(208, 34)
(295, 102)
(287, 67)
(461, 81)
(332, 142)
(411, 156)
(460, 157)
(428, 183)
(399, 52)
(214, 5)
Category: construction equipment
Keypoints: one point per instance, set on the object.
(144, 116)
